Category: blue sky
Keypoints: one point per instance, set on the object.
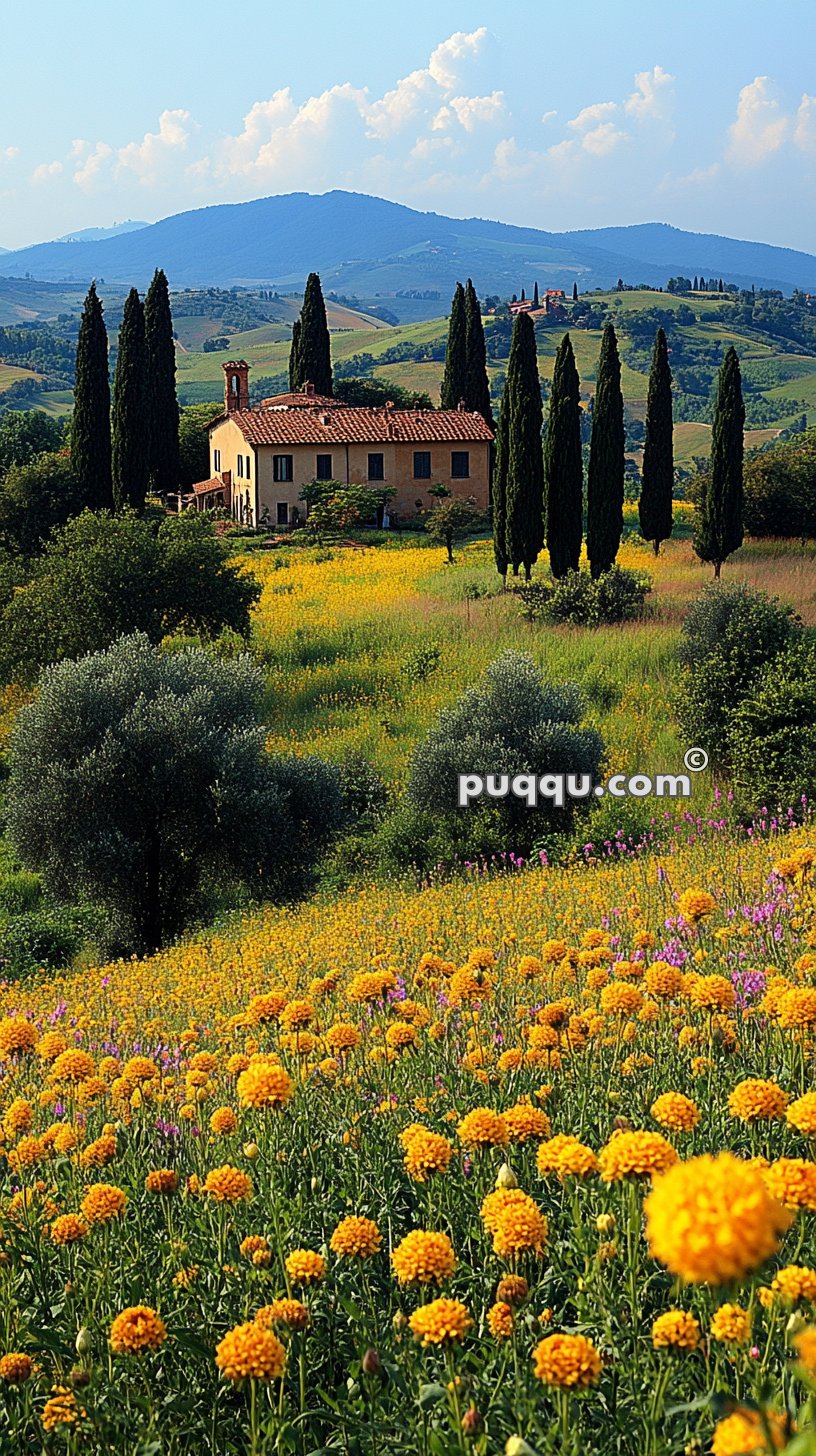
(618, 111)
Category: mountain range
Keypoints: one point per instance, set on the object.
(368, 247)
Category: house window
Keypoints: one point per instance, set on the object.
(460, 464)
(376, 467)
(422, 465)
(248, 471)
(282, 467)
(283, 512)
(324, 467)
(216, 462)
(239, 465)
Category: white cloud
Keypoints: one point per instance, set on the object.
(603, 139)
(512, 163)
(9, 154)
(699, 177)
(470, 112)
(452, 60)
(548, 116)
(90, 167)
(45, 172)
(760, 127)
(592, 115)
(805, 131)
(147, 157)
(653, 96)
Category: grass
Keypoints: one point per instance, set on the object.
(11, 374)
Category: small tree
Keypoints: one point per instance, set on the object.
(450, 520)
(335, 507)
(310, 356)
(657, 488)
(499, 490)
(606, 460)
(563, 465)
(91, 419)
(720, 507)
(26, 434)
(130, 428)
(139, 778)
(162, 404)
(35, 499)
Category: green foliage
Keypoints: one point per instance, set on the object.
(194, 445)
(294, 358)
(477, 387)
(450, 520)
(423, 662)
(730, 634)
(780, 489)
(563, 465)
(139, 776)
(454, 380)
(606, 460)
(657, 488)
(524, 491)
(510, 722)
(719, 524)
(49, 936)
(91, 421)
(35, 499)
(374, 393)
(499, 492)
(26, 434)
(310, 358)
(581, 600)
(130, 457)
(772, 734)
(162, 414)
(101, 577)
(335, 507)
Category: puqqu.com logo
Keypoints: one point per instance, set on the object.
(557, 789)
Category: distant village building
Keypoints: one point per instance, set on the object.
(262, 457)
(549, 303)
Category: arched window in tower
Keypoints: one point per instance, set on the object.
(235, 384)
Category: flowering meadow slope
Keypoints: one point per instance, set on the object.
(517, 1162)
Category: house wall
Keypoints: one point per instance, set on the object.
(227, 439)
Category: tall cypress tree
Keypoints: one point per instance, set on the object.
(607, 459)
(563, 465)
(524, 527)
(477, 386)
(657, 479)
(294, 358)
(310, 358)
(719, 519)
(91, 425)
(499, 488)
(162, 403)
(454, 380)
(130, 442)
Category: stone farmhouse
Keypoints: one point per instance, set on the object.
(262, 457)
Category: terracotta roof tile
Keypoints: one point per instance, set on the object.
(205, 487)
(356, 425)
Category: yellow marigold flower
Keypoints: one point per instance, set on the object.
(99, 1153)
(804, 1344)
(18, 1117)
(542, 1038)
(635, 1155)
(676, 1112)
(296, 1015)
(500, 1320)
(342, 1037)
(50, 1045)
(356, 1237)
(712, 993)
(797, 1009)
(795, 1282)
(519, 1228)
(69, 1228)
(73, 1066)
(731, 1325)
(136, 1329)
(470, 983)
(524, 1122)
(267, 1007)
(694, 905)
(801, 1114)
(620, 998)
(28, 1152)
(399, 1037)
(512, 1289)
(161, 1180)
(566, 1156)
(554, 951)
(223, 1122)
(426, 1153)
(370, 986)
(17, 1036)
(61, 1409)
(287, 1312)
(483, 1128)
(663, 980)
(102, 1202)
(228, 1184)
(597, 977)
(756, 1099)
(712, 1220)
(265, 1084)
(304, 1266)
(529, 968)
(442, 1322)
(744, 1434)
(676, 1329)
(423, 1256)
(567, 1362)
(16, 1369)
(250, 1352)
(140, 1069)
(555, 1014)
(793, 1182)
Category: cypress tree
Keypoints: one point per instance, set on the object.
(719, 520)
(499, 491)
(563, 465)
(91, 426)
(524, 526)
(575, 292)
(535, 295)
(454, 380)
(312, 354)
(130, 445)
(657, 481)
(294, 358)
(477, 388)
(606, 460)
(162, 404)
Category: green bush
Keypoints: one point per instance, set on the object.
(772, 734)
(46, 937)
(730, 633)
(19, 893)
(423, 662)
(578, 600)
(780, 489)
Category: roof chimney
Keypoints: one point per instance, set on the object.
(236, 386)
(461, 407)
(308, 387)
